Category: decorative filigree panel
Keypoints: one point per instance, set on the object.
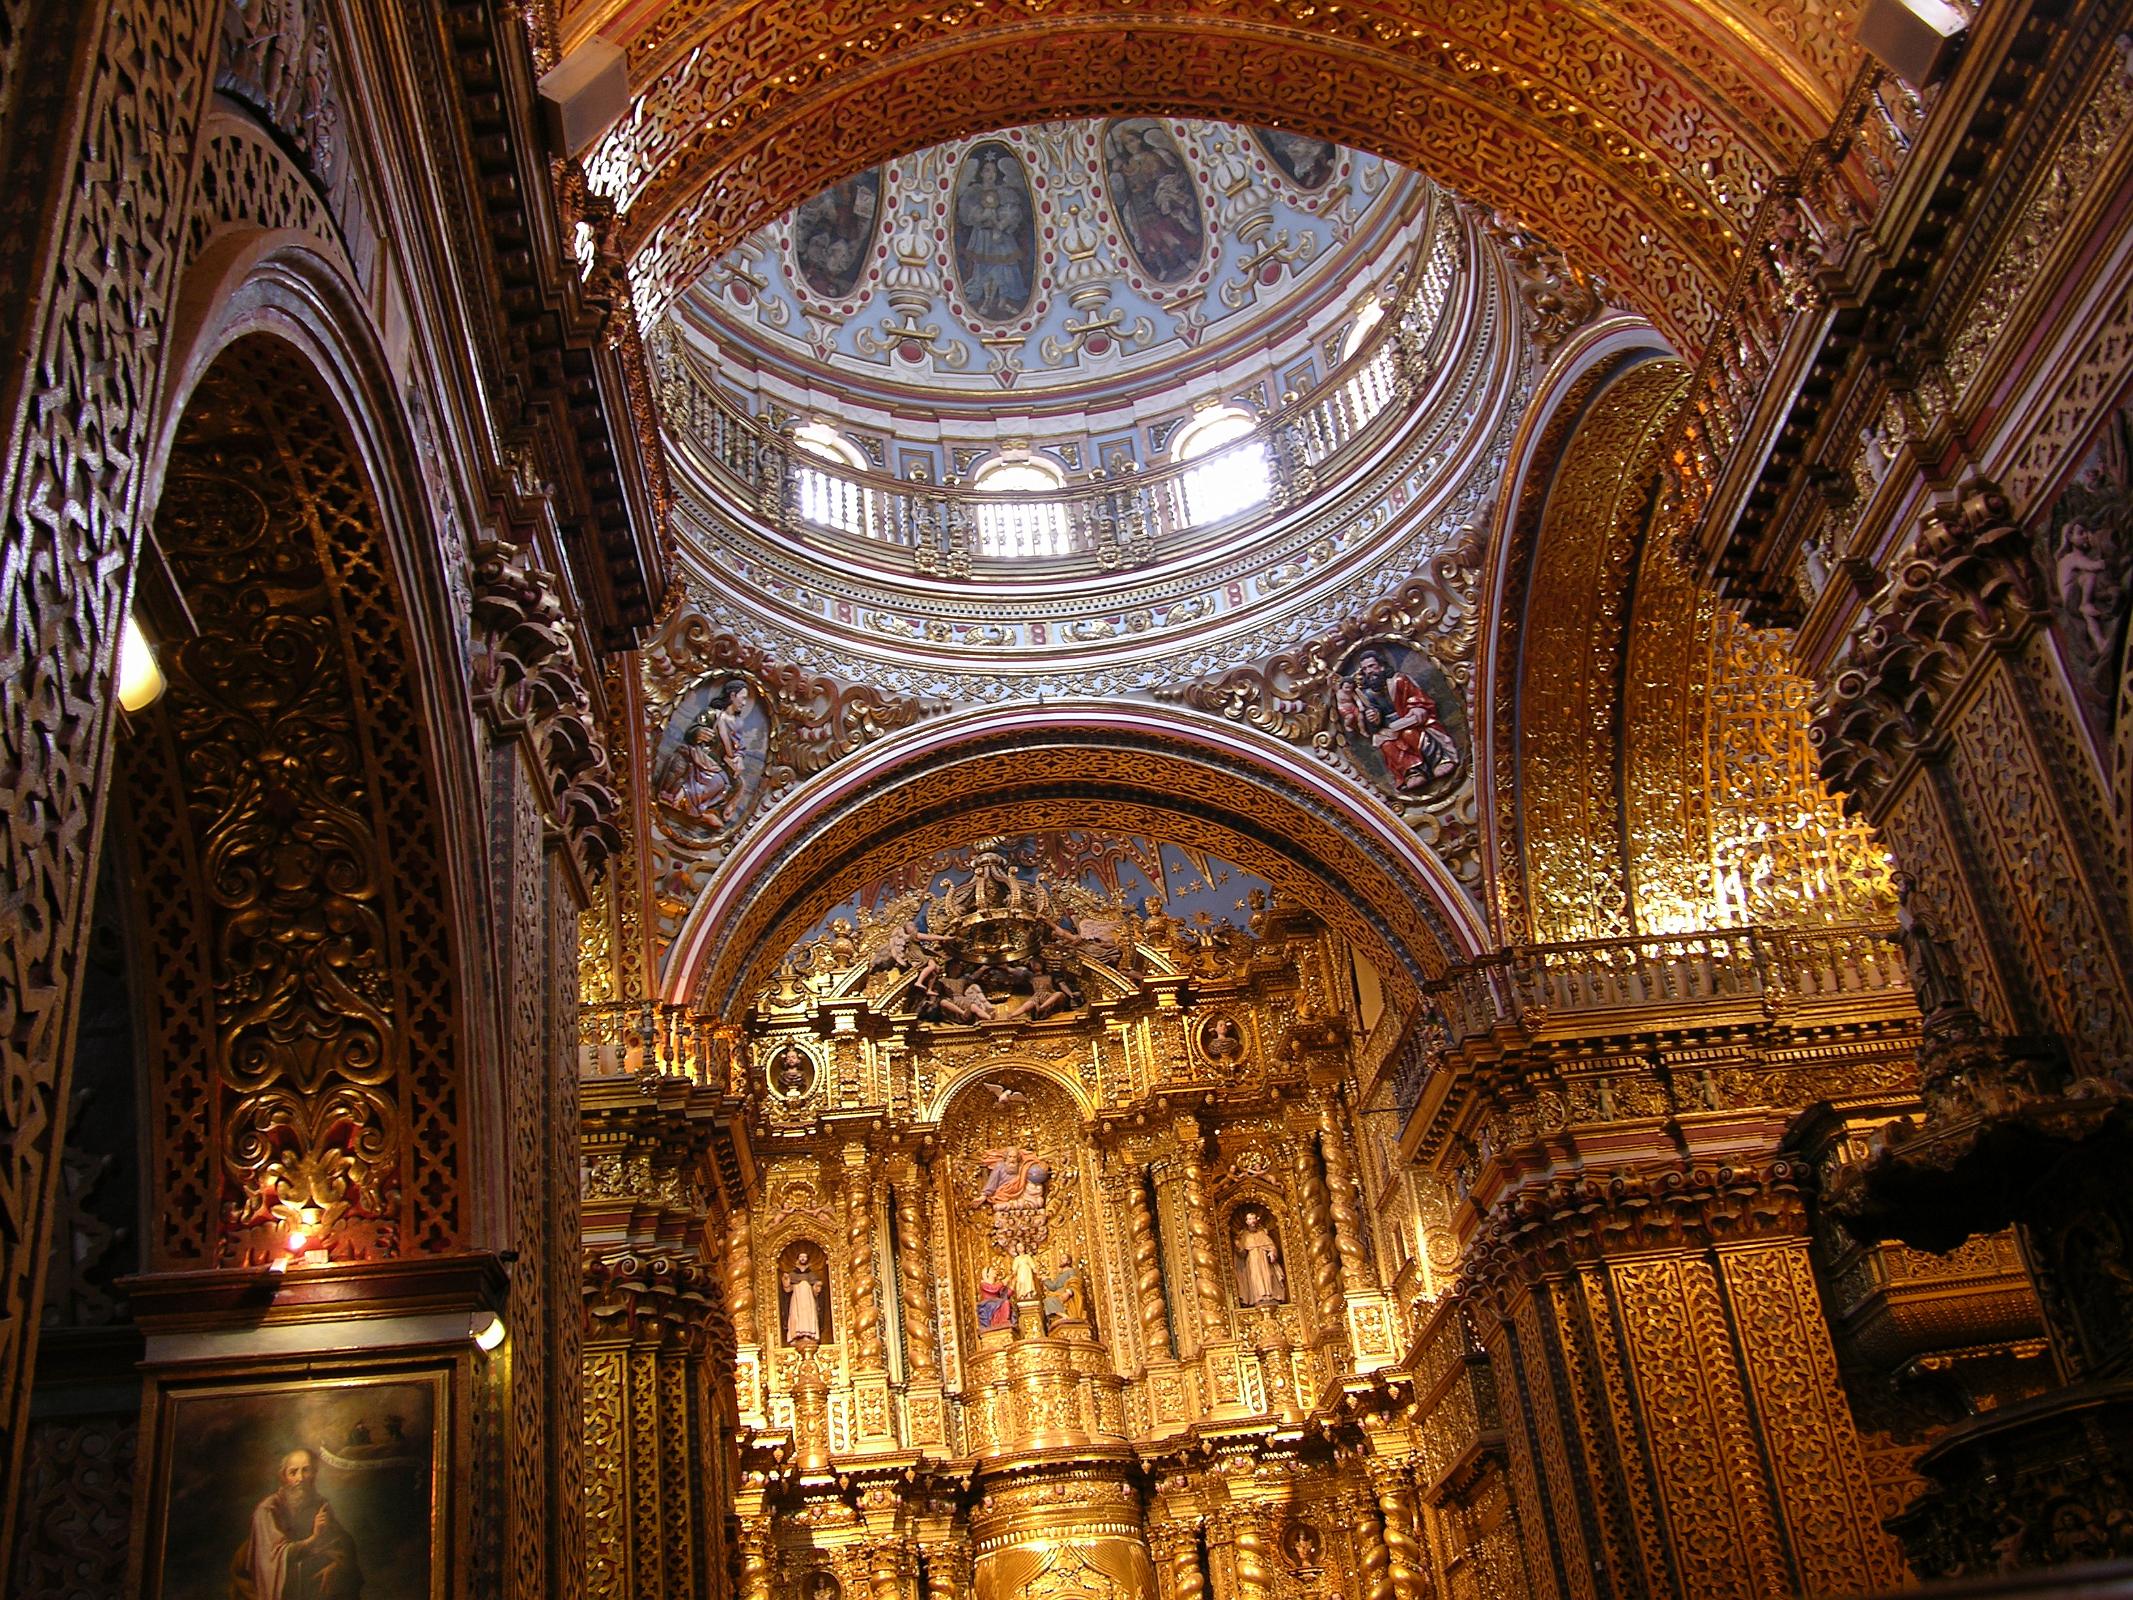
(727, 732)
(1388, 733)
(307, 1045)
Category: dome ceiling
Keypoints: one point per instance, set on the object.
(1067, 256)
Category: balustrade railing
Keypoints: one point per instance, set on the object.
(1113, 520)
(626, 1039)
(1530, 984)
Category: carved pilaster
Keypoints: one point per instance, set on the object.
(529, 681)
(947, 1571)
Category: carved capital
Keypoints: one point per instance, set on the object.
(648, 1299)
(1964, 584)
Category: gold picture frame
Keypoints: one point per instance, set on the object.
(226, 1489)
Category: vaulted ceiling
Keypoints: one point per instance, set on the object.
(1641, 134)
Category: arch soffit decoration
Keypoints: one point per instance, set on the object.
(361, 788)
(957, 1087)
(1568, 578)
(264, 257)
(1639, 136)
(1596, 356)
(1158, 771)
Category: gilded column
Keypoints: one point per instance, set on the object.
(739, 1265)
(1180, 1550)
(1403, 1550)
(1371, 1552)
(947, 1572)
(1319, 1243)
(1207, 1284)
(755, 1563)
(1147, 1271)
(1340, 1182)
(921, 1335)
(890, 1570)
(1251, 1542)
(863, 1277)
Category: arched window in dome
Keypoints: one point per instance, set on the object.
(1232, 471)
(1021, 526)
(1369, 388)
(830, 499)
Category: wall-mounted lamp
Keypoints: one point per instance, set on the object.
(488, 1330)
(141, 682)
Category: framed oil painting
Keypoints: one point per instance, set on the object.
(1306, 162)
(1402, 720)
(833, 234)
(1153, 193)
(320, 1489)
(995, 233)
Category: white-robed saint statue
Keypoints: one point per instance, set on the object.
(1261, 1279)
(803, 1301)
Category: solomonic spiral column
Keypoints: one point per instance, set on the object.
(1207, 1282)
(1147, 1271)
(921, 1354)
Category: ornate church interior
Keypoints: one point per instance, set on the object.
(1066, 799)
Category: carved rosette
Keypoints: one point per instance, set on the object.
(529, 681)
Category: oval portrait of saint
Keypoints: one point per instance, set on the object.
(995, 233)
(1221, 1039)
(709, 769)
(1402, 720)
(1306, 162)
(790, 1073)
(833, 234)
(1153, 194)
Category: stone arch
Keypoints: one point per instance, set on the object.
(1133, 768)
(303, 1016)
(737, 117)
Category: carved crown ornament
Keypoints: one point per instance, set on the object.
(1384, 697)
(529, 682)
(729, 730)
(1966, 582)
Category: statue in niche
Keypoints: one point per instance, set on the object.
(996, 1301)
(806, 1306)
(1926, 956)
(1014, 1180)
(1066, 1295)
(1303, 1549)
(1262, 1280)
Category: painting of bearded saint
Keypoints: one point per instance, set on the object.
(1152, 191)
(1400, 717)
(2085, 547)
(298, 1491)
(1304, 161)
(832, 234)
(711, 758)
(995, 233)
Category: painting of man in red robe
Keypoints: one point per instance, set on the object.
(1387, 711)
